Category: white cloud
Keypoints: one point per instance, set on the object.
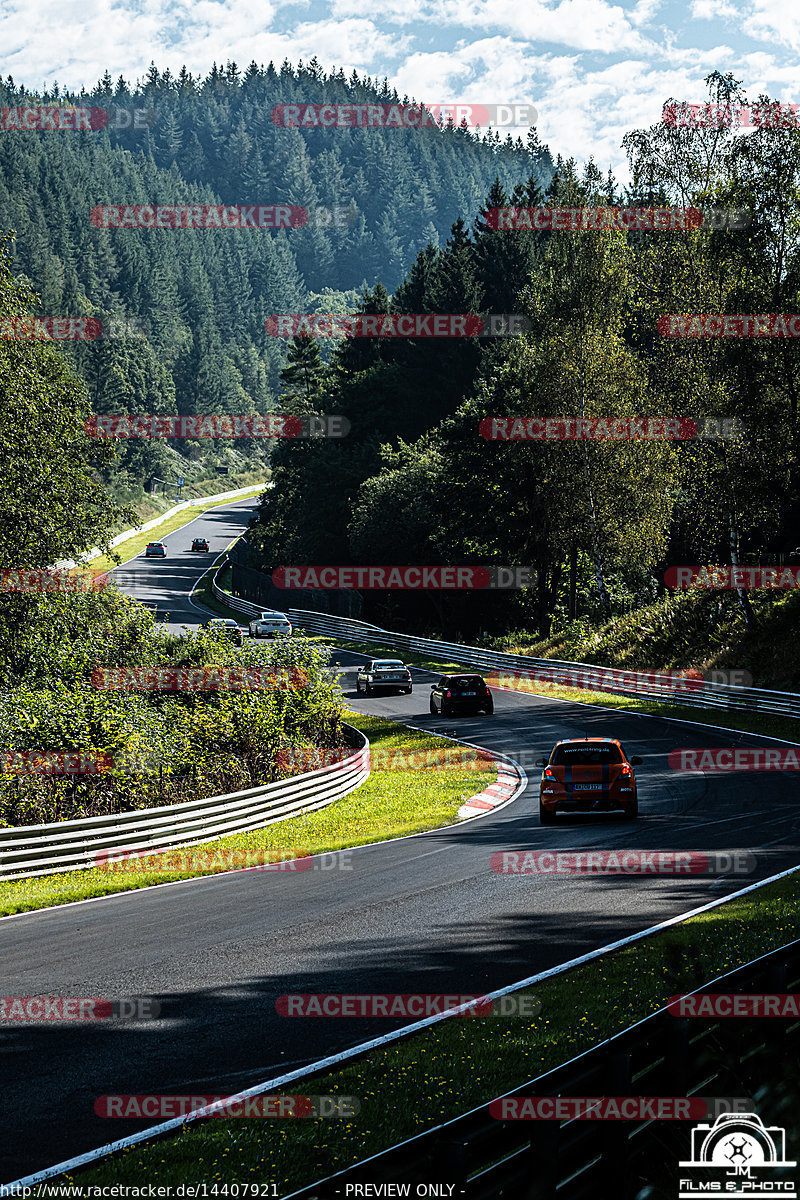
(584, 24)
(644, 11)
(774, 21)
(709, 10)
(594, 69)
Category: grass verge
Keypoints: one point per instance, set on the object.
(451, 1067)
(203, 594)
(391, 803)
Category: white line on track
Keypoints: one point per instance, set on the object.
(385, 1039)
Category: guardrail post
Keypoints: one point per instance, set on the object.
(452, 1162)
(544, 1159)
(612, 1168)
(677, 1059)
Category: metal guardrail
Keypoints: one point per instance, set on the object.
(646, 685)
(31, 850)
(486, 1158)
(322, 1068)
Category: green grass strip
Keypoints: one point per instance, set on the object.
(391, 803)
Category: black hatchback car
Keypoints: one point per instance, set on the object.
(461, 693)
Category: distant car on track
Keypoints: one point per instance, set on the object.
(588, 775)
(461, 693)
(384, 674)
(155, 550)
(226, 626)
(270, 623)
(200, 544)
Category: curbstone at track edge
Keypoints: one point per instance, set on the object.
(495, 794)
(511, 781)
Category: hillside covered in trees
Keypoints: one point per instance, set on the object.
(199, 299)
(600, 521)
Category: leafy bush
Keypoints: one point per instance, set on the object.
(163, 747)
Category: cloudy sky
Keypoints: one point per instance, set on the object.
(592, 69)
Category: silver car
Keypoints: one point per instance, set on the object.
(387, 674)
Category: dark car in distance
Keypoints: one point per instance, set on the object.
(226, 626)
(461, 694)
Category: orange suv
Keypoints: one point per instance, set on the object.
(588, 775)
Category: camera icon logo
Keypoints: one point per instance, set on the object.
(738, 1142)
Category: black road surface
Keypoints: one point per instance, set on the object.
(425, 914)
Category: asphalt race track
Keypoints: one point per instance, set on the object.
(425, 914)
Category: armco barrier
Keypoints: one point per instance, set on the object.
(484, 1157)
(669, 1038)
(700, 695)
(30, 850)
